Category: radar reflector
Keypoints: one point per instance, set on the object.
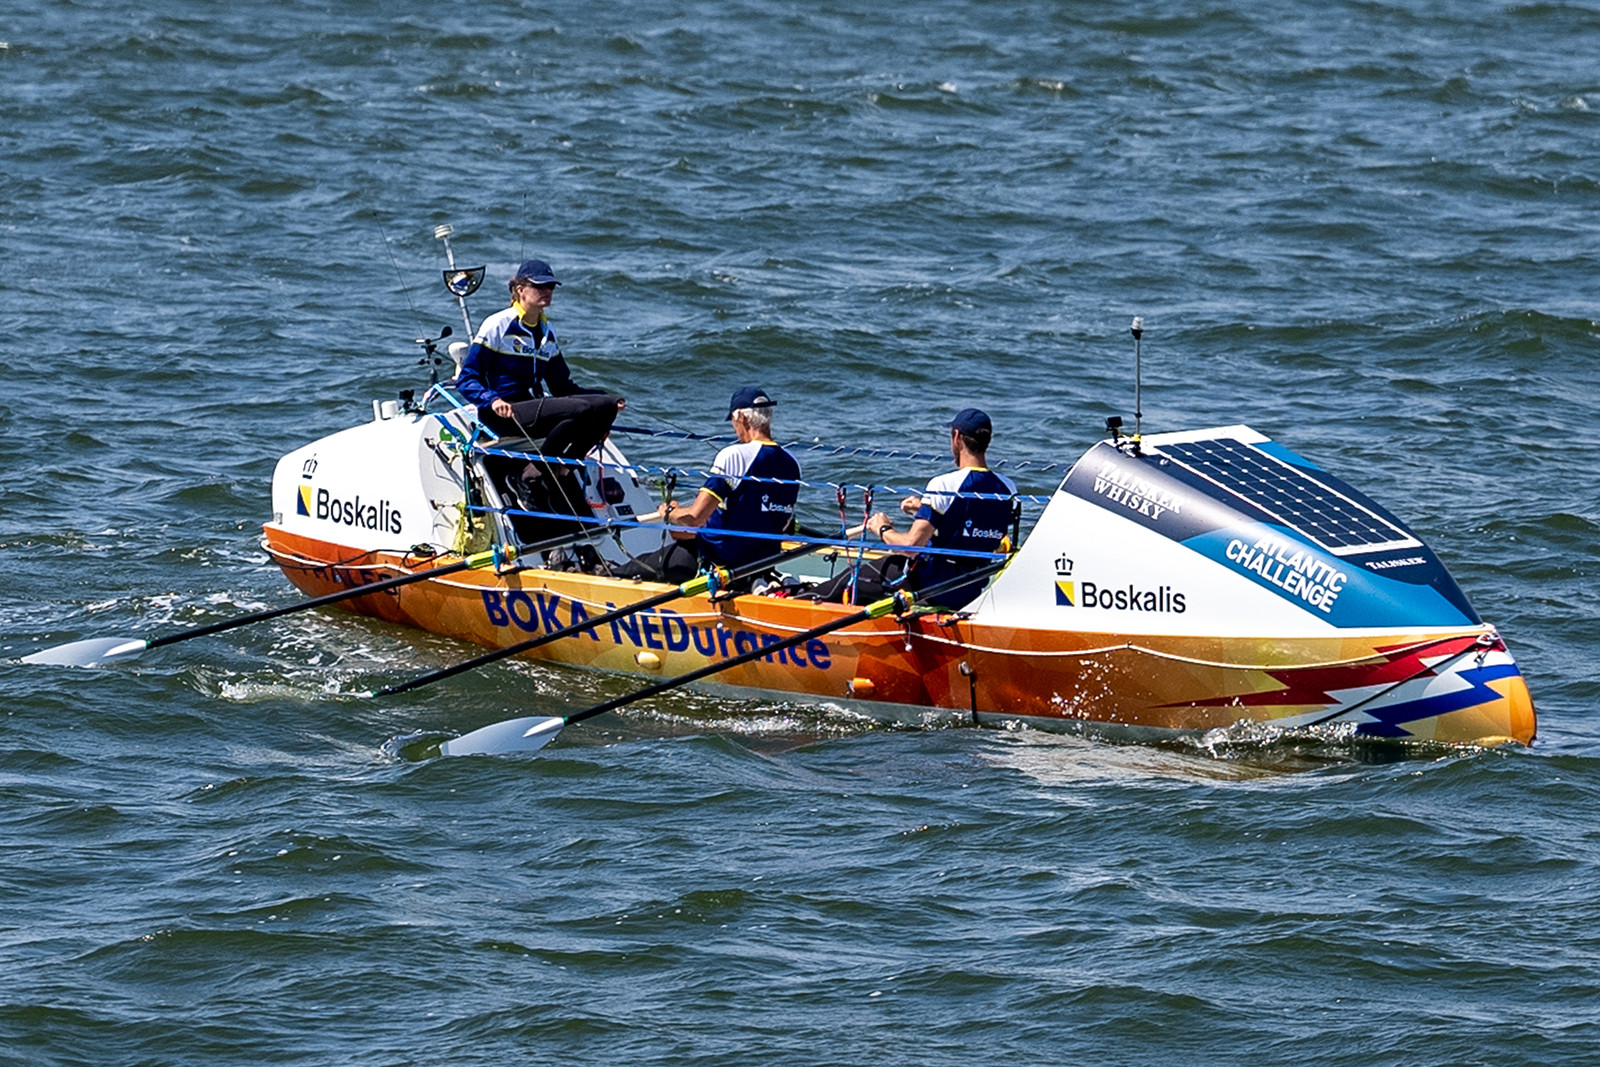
(463, 283)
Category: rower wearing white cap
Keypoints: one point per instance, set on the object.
(752, 488)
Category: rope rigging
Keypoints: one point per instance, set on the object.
(815, 445)
(666, 479)
(676, 472)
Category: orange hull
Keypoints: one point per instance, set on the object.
(1450, 686)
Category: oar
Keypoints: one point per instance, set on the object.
(533, 732)
(698, 584)
(95, 651)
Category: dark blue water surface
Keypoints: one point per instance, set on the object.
(1369, 229)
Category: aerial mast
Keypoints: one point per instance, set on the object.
(1137, 329)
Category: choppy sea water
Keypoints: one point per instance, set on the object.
(1367, 229)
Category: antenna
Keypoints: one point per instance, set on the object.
(384, 235)
(1137, 329)
(461, 283)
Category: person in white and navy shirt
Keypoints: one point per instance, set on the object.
(968, 509)
(514, 361)
(752, 488)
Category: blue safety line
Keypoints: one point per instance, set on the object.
(455, 401)
(822, 542)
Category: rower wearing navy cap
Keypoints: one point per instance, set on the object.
(514, 361)
(752, 488)
(968, 509)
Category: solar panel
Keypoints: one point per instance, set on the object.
(1311, 508)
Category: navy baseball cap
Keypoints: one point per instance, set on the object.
(749, 397)
(971, 420)
(536, 271)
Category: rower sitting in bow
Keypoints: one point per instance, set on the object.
(752, 488)
(967, 509)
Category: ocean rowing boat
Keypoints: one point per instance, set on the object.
(1174, 584)
(1201, 580)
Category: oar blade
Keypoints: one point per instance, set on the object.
(90, 652)
(527, 734)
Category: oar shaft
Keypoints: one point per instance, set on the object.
(690, 588)
(317, 602)
(473, 562)
(722, 665)
(531, 643)
(877, 609)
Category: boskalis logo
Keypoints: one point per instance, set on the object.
(1131, 598)
(362, 514)
(768, 504)
(1076, 594)
(979, 533)
(1066, 593)
(302, 503)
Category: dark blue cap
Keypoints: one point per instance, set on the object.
(971, 420)
(749, 397)
(536, 271)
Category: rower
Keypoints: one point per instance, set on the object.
(967, 509)
(731, 501)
